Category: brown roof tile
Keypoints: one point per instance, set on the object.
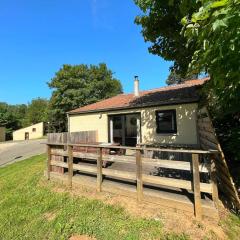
(175, 94)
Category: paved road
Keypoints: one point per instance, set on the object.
(16, 151)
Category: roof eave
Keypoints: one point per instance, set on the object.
(136, 107)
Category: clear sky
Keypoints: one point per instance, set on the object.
(38, 36)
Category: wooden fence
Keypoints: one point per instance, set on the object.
(65, 137)
(100, 154)
(209, 140)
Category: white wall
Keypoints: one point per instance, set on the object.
(186, 124)
(90, 122)
(20, 134)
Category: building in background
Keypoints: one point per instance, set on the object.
(2, 134)
(32, 132)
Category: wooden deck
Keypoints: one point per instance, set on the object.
(187, 184)
(179, 178)
(171, 198)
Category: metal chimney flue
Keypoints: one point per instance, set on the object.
(136, 86)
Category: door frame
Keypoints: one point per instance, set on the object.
(26, 135)
(139, 125)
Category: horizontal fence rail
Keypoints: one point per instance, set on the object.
(208, 139)
(60, 150)
(197, 151)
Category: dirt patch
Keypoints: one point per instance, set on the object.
(49, 216)
(81, 237)
(174, 220)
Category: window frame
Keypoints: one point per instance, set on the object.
(159, 131)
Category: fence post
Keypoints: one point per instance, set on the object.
(48, 161)
(70, 165)
(139, 175)
(196, 187)
(214, 180)
(99, 170)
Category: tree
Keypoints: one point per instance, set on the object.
(161, 25)
(174, 78)
(18, 116)
(37, 111)
(11, 116)
(215, 28)
(76, 86)
(206, 42)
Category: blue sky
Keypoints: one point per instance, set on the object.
(37, 37)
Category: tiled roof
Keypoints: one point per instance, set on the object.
(175, 94)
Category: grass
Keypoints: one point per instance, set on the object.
(30, 209)
(232, 226)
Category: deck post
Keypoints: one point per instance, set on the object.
(139, 175)
(196, 187)
(99, 170)
(138, 130)
(70, 165)
(48, 161)
(214, 180)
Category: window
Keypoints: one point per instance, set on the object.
(166, 121)
(34, 130)
(117, 122)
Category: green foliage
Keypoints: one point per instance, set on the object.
(37, 111)
(30, 209)
(73, 86)
(79, 85)
(232, 226)
(175, 78)
(161, 25)
(12, 117)
(208, 43)
(228, 130)
(215, 29)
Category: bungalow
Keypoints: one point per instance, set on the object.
(163, 116)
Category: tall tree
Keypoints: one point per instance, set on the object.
(174, 78)
(11, 116)
(208, 43)
(37, 111)
(76, 86)
(161, 25)
(215, 28)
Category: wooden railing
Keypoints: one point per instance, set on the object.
(139, 176)
(208, 139)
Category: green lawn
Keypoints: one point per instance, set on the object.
(29, 209)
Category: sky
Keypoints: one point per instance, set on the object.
(38, 37)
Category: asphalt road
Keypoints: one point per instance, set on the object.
(16, 151)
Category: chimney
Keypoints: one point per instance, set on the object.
(136, 86)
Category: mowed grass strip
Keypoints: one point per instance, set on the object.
(31, 210)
